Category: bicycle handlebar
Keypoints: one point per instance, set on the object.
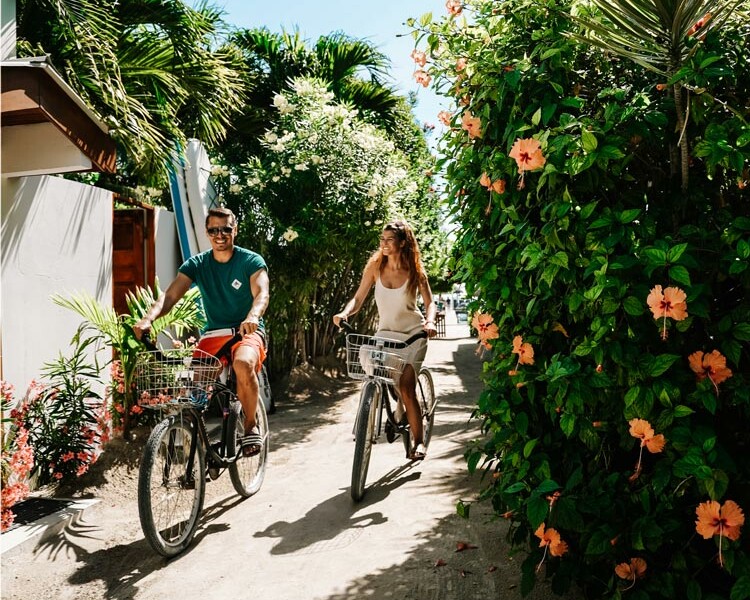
(393, 344)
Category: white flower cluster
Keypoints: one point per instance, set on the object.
(290, 235)
(282, 104)
(219, 171)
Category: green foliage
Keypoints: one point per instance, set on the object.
(64, 416)
(313, 204)
(103, 324)
(567, 261)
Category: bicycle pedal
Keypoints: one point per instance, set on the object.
(212, 473)
(390, 432)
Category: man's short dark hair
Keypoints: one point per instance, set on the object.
(221, 213)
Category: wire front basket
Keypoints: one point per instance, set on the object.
(175, 378)
(367, 357)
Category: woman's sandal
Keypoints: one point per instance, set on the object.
(418, 452)
(251, 443)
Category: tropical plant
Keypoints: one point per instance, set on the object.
(147, 67)
(660, 36)
(612, 304)
(64, 417)
(354, 71)
(103, 324)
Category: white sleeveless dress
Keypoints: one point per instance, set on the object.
(399, 319)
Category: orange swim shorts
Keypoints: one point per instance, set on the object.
(255, 340)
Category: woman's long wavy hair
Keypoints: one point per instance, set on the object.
(409, 253)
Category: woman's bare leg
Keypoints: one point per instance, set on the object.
(408, 388)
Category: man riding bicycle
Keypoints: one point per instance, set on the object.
(234, 284)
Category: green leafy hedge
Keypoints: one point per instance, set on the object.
(565, 262)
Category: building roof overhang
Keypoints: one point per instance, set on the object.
(46, 126)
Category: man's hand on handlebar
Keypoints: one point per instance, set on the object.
(142, 327)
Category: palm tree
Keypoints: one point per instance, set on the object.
(354, 70)
(656, 35)
(147, 67)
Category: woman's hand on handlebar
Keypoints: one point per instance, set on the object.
(430, 329)
(339, 317)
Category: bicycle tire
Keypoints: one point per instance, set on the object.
(426, 400)
(364, 435)
(247, 472)
(168, 507)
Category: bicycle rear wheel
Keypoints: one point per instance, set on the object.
(247, 472)
(170, 495)
(364, 436)
(426, 401)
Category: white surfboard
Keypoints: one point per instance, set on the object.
(200, 193)
(185, 229)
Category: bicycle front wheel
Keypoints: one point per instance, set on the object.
(364, 436)
(426, 400)
(247, 472)
(170, 490)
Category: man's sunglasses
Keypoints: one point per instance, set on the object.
(214, 231)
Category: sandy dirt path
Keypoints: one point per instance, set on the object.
(302, 537)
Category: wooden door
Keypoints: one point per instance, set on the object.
(132, 249)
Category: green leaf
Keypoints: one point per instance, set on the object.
(515, 488)
(548, 485)
(463, 508)
(630, 215)
(741, 331)
(682, 411)
(536, 511)
(589, 140)
(661, 363)
(655, 255)
(675, 252)
(633, 306)
(743, 249)
(529, 447)
(741, 589)
(568, 423)
(679, 274)
(693, 590)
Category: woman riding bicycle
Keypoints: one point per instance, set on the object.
(396, 271)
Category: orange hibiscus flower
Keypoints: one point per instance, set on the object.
(419, 57)
(635, 569)
(445, 117)
(714, 519)
(642, 430)
(724, 521)
(670, 303)
(486, 329)
(528, 155)
(454, 7)
(551, 541)
(472, 124)
(422, 77)
(712, 365)
(524, 350)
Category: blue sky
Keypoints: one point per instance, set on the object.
(382, 22)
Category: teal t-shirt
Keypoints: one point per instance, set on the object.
(225, 287)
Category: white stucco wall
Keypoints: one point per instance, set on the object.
(56, 238)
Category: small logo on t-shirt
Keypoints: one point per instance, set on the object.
(236, 284)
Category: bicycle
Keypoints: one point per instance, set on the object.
(372, 360)
(183, 451)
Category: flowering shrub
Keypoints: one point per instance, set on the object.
(17, 458)
(313, 204)
(65, 418)
(619, 296)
